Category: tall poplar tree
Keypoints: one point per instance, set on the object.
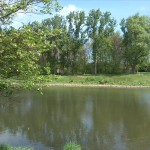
(99, 26)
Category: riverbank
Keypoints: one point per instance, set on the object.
(140, 80)
(94, 85)
(68, 146)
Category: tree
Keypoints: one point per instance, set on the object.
(56, 35)
(9, 8)
(116, 53)
(136, 32)
(99, 26)
(56, 22)
(76, 21)
(20, 49)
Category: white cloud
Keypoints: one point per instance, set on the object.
(22, 17)
(67, 9)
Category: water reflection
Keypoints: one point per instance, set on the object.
(95, 118)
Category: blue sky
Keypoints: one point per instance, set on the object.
(118, 8)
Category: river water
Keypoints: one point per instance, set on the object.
(95, 118)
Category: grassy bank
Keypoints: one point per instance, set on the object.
(127, 80)
(68, 146)
(130, 79)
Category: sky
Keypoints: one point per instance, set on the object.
(119, 9)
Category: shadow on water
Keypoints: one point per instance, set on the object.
(95, 118)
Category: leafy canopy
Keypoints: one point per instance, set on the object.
(9, 8)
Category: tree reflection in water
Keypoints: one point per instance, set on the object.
(95, 118)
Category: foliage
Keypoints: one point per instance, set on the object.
(136, 30)
(99, 27)
(6, 88)
(71, 45)
(72, 146)
(140, 79)
(20, 48)
(9, 8)
(76, 21)
(144, 67)
(116, 53)
(19, 52)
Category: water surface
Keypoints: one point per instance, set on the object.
(95, 118)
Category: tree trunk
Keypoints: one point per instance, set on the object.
(95, 67)
(95, 59)
(133, 67)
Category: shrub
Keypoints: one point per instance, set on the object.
(89, 79)
(103, 81)
(72, 146)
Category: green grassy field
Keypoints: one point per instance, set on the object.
(140, 79)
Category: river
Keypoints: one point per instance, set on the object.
(95, 118)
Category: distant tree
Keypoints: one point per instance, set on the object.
(99, 27)
(136, 33)
(116, 53)
(76, 21)
(57, 36)
(56, 22)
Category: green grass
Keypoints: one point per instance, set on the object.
(3, 147)
(69, 146)
(140, 79)
(72, 146)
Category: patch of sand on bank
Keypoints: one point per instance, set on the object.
(96, 85)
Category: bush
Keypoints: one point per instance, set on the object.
(72, 146)
(45, 70)
(103, 81)
(89, 79)
(145, 67)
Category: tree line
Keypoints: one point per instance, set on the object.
(76, 44)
